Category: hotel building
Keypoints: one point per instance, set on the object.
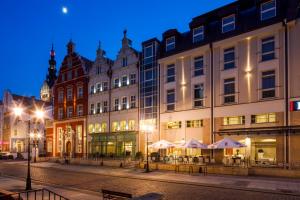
(113, 102)
(234, 74)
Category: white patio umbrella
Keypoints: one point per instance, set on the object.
(194, 144)
(162, 144)
(225, 144)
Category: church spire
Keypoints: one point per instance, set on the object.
(51, 76)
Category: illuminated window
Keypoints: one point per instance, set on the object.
(198, 34)
(79, 138)
(123, 125)
(131, 125)
(228, 23)
(268, 10)
(263, 118)
(115, 126)
(170, 43)
(194, 123)
(174, 125)
(97, 128)
(91, 128)
(103, 126)
(238, 120)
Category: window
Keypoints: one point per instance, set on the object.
(148, 54)
(267, 10)
(92, 109)
(228, 23)
(91, 128)
(60, 96)
(170, 73)
(229, 58)
(105, 86)
(198, 34)
(123, 125)
(116, 83)
(79, 110)
(124, 103)
(69, 75)
(103, 126)
(268, 49)
(124, 62)
(98, 87)
(63, 77)
(198, 95)
(148, 101)
(194, 123)
(115, 126)
(69, 94)
(124, 80)
(238, 120)
(98, 107)
(92, 89)
(97, 127)
(132, 102)
(98, 70)
(105, 106)
(198, 66)
(116, 104)
(131, 125)
(60, 113)
(268, 84)
(229, 90)
(79, 92)
(174, 125)
(170, 43)
(49, 146)
(263, 118)
(170, 100)
(69, 111)
(132, 79)
(148, 75)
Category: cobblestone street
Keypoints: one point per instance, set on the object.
(138, 186)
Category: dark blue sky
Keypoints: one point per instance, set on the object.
(27, 29)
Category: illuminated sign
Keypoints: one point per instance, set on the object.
(295, 105)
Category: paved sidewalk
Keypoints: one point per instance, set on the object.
(253, 183)
(17, 185)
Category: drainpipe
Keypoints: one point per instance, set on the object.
(212, 137)
(109, 74)
(286, 75)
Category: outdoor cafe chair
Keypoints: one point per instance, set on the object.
(180, 159)
(206, 160)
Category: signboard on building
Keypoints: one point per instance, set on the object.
(295, 105)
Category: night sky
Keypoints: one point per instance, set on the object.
(28, 27)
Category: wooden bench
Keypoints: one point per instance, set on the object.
(108, 194)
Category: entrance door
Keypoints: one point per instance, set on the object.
(68, 145)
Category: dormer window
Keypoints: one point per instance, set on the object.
(228, 23)
(124, 62)
(267, 10)
(170, 43)
(198, 34)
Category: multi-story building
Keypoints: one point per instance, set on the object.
(71, 105)
(1, 124)
(16, 129)
(113, 102)
(233, 74)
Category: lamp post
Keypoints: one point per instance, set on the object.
(39, 114)
(147, 129)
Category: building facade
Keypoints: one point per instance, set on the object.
(71, 105)
(113, 121)
(1, 125)
(233, 74)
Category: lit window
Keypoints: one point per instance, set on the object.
(198, 95)
(131, 125)
(124, 62)
(237, 120)
(268, 10)
(91, 128)
(103, 126)
(97, 128)
(229, 90)
(115, 126)
(174, 125)
(132, 102)
(69, 111)
(170, 73)
(228, 23)
(116, 107)
(229, 58)
(170, 43)
(198, 34)
(123, 125)
(194, 123)
(124, 80)
(268, 49)
(92, 109)
(170, 100)
(263, 118)
(198, 66)
(268, 84)
(124, 103)
(132, 79)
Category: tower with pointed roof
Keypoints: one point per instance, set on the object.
(46, 89)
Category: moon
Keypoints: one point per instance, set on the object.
(64, 10)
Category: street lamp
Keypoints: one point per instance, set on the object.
(147, 129)
(39, 114)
